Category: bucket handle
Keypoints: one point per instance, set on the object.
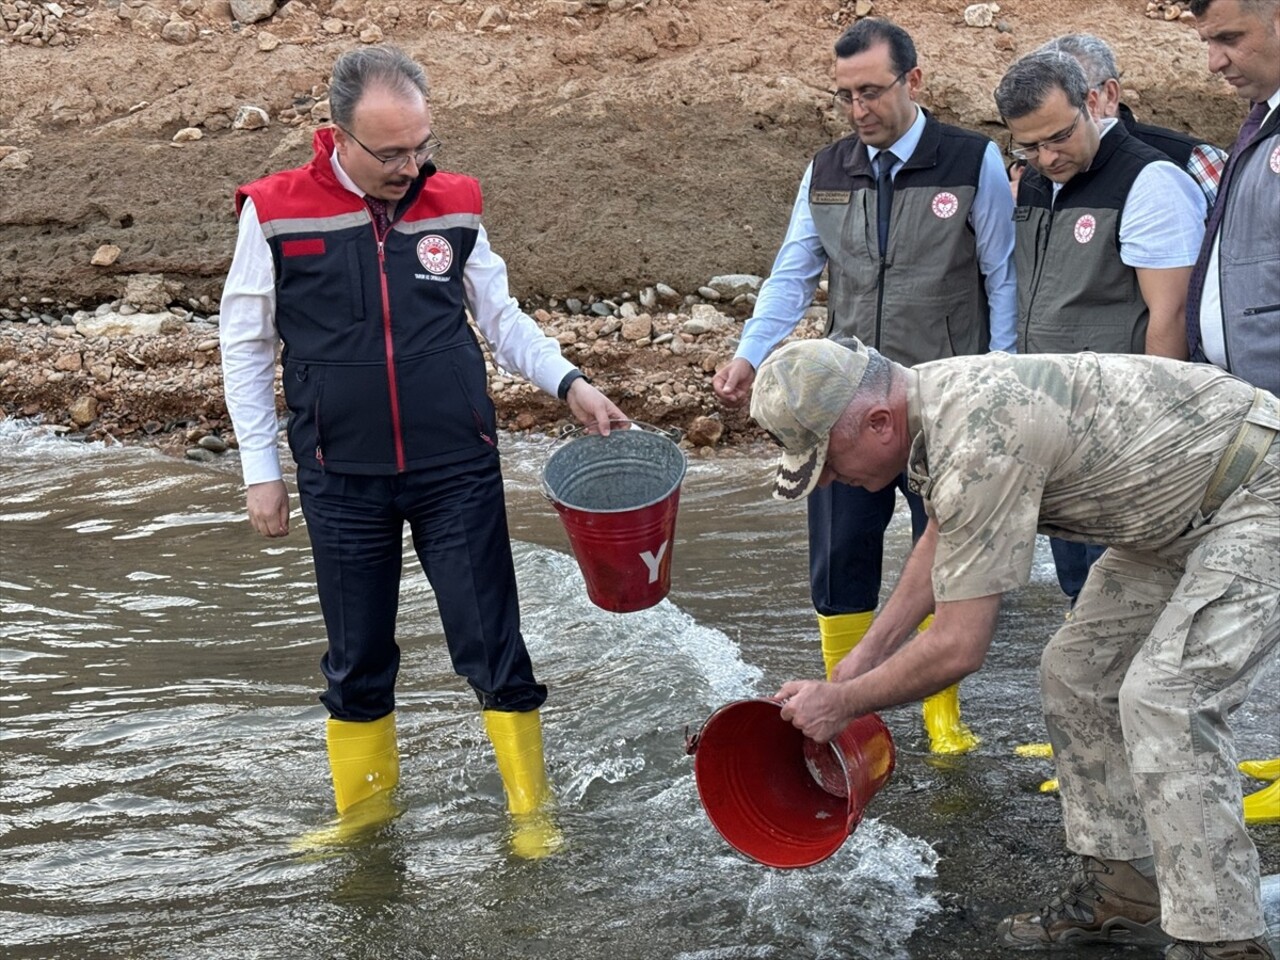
(674, 434)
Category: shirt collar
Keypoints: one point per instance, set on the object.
(907, 143)
(341, 174)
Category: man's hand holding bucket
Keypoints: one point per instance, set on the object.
(819, 709)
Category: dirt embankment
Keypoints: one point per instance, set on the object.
(621, 145)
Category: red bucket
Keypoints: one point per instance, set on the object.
(617, 498)
(779, 797)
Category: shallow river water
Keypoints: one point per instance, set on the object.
(161, 744)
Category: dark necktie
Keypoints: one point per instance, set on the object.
(884, 196)
(1195, 287)
(378, 208)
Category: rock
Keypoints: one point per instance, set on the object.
(705, 431)
(491, 17)
(213, 443)
(863, 8)
(250, 118)
(736, 284)
(637, 328)
(69, 362)
(105, 255)
(267, 41)
(371, 34)
(83, 411)
(200, 454)
(148, 291)
(704, 318)
(251, 11)
(666, 294)
(188, 134)
(136, 325)
(980, 14)
(179, 31)
(708, 293)
(17, 160)
(564, 8)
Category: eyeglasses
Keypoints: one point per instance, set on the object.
(868, 95)
(1026, 151)
(399, 161)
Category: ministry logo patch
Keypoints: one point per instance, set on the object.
(435, 253)
(1085, 228)
(945, 205)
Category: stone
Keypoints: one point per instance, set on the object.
(114, 324)
(267, 41)
(666, 294)
(105, 255)
(491, 17)
(188, 134)
(251, 11)
(179, 31)
(150, 291)
(736, 284)
(69, 362)
(83, 410)
(250, 118)
(980, 14)
(705, 431)
(708, 293)
(371, 34)
(637, 328)
(212, 443)
(863, 8)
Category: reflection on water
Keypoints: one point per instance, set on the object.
(161, 743)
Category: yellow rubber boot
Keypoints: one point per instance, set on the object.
(1263, 806)
(365, 766)
(947, 732)
(840, 633)
(517, 746)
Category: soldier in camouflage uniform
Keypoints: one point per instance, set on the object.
(1176, 467)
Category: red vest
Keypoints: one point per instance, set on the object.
(381, 372)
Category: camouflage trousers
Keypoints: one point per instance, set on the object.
(1138, 689)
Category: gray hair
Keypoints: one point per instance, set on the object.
(1028, 83)
(381, 67)
(874, 387)
(1092, 52)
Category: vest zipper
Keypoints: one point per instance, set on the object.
(1042, 247)
(389, 345)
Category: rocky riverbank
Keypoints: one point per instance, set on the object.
(137, 370)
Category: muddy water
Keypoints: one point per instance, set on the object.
(161, 745)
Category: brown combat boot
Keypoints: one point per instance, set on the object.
(1107, 901)
(1256, 949)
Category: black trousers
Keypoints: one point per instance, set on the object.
(846, 543)
(458, 521)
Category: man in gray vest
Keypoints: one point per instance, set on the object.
(1106, 229)
(1233, 307)
(912, 220)
(1203, 161)
(1233, 312)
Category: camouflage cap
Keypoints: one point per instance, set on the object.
(799, 394)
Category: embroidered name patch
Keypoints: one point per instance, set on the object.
(303, 248)
(435, 254)
(1085, 228)
(829, 196)
(945, 205)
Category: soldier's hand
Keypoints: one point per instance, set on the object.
(815, 708)
(732, 382)
(268, 505)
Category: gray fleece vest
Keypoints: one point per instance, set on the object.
(925, 299)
